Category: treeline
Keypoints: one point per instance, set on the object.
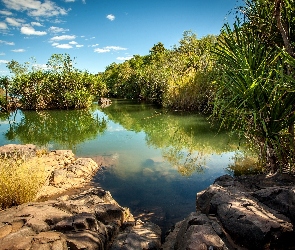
(59, 85)
(177, 78)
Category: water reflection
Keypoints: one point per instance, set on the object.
(65, 129)
(155, 161)
(185, 140)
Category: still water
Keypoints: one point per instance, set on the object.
(155, 161)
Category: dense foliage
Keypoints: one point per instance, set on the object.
(179, 78)
(59, 86)
(256, 90)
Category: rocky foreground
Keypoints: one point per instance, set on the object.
(250, 212)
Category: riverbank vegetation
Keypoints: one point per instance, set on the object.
(244, 77)
(59, 85)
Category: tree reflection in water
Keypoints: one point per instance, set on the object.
(65, 128)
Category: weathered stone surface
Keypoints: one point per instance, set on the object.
(196, 232)
(248, 221)
(13, 150)
(141, 236)
(89, 220)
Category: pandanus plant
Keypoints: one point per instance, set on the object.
(257, 89)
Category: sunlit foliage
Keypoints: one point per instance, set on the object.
(256, 88)
(57, 86)
(176, 78)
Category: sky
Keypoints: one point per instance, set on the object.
(96, 33)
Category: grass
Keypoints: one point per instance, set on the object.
(20, 179)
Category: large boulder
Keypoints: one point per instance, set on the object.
(248, 221)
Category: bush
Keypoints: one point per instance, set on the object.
(20, 180)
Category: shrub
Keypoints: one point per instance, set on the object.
(20, 180)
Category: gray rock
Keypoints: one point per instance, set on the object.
(249, 222)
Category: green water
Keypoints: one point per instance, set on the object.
(156, 161)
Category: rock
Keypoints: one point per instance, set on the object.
(89, 220)
(195, 233)
(251, 223)
(14, 150)
(141, 236)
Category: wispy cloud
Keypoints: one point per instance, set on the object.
(93, 45)
(63, 37)
(64, 46)
(79, 45)
(115, 48)
(36, 24)
(28, 30)
(69, 1)
(73, 42)
(111, 17)
(18, 50)
(3, 61)
(3, 26)
(35, 7)
(2, 54)
(108, 49)
(54, 29)
(14, 21)
(5, 12)
(7, 43)
(121, 58)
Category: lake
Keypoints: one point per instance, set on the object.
(157, 160)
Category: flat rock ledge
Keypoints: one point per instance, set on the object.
(249, 212)
(90, 220)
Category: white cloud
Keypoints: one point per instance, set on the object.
(108, 49)
(18, 50)
(35, 7)
(5, 12)
(111, 17)
(36, 24)
(2, 54)
(55, 44)
(3, 26)
(73, 42)
(14, 21)
(69, 1)
(115, 48)
(27, 30)
(63, 37)
(93, 45)
(7, 43)
(54, 29)
(79, 45)
(3, 61)
(64, 46)
(98, 50)
(124, 58)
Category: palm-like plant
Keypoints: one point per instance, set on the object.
(257, 89)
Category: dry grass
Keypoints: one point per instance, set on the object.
(20, 180)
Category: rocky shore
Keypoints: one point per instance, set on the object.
(249, 212)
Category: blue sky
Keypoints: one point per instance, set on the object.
(99, 32)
